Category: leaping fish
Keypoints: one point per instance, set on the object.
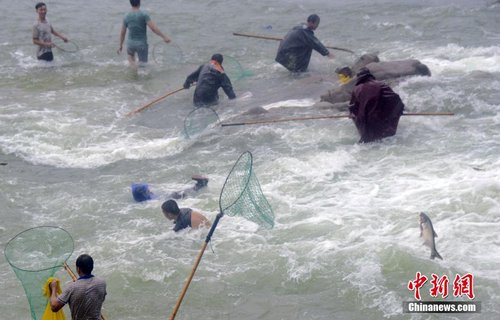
(428, 234)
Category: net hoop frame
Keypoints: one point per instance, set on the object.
(229, 176)
(194, 111)
(74, 48)
(31, 229)
(157, 45)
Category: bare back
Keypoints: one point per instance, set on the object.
(198, 220)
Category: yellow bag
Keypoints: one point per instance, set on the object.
(48, 314)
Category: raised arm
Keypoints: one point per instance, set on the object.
(55, 304)
(192, 78)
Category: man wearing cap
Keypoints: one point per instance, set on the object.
(294, 52)
(374, 107)
(209, 78)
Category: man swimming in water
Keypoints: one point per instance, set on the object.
(183, 217)
(141, 191)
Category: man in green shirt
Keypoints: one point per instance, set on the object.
(137, 21)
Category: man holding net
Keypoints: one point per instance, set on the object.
(42, 31)
(209, 77)
(85, 296)
(294, 52)
(136, 22)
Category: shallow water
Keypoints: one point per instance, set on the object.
(346, 237)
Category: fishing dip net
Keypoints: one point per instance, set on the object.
(35, 255)
(234, 69)
(167, 54)
(242, 196)
(198, 120)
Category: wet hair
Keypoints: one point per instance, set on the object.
(313, 18)
(39, 5)
(218, 57)
(85, 263)
(170, 206)
(135, 3)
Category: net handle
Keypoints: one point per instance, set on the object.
(246, 182)
(195, 266)
(209, 237)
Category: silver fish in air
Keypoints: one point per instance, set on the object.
(428, 234)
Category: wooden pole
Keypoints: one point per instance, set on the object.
(329, 117)
(283, 120)
(188, 281)
(251, 35)
(195, 266)
(70, 272)
(149, 104)
(429, 114)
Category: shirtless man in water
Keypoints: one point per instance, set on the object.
(183, 217)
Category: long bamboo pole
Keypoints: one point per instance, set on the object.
(257, 36)
(149, 104)
(328, 117)
(195, 266)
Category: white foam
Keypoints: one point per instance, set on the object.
(290, 103)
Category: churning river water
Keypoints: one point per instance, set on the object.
(346, 238)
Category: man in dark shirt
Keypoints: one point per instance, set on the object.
(294, 52)
(375, 108)
(183, 217)
(209, 78)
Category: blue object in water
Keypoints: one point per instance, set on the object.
(141, 192)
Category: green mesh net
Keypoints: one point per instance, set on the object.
(234, 69)
(35, 255)
(198, 120)
(242, 196)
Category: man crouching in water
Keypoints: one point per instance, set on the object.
(374, 107)
(184, 217)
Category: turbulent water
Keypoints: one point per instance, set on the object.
(346, 238)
